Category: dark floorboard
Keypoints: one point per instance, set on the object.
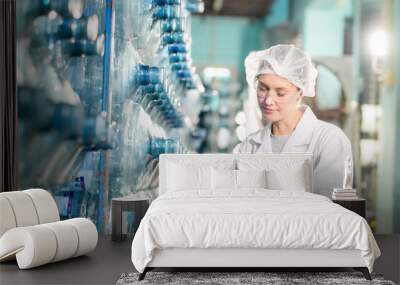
(110, 260)
(389, 262)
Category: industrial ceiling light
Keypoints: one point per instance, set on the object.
(378, 43)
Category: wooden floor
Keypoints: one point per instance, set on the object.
(110, 260)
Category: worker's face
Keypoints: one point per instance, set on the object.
(277, 97)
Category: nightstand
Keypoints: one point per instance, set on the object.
(137, 203)
(358, 206)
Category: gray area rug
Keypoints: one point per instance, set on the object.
(228, 278)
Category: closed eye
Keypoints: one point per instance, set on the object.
(262, 88)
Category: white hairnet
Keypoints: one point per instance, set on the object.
(286, 61)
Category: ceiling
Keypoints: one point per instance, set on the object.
(245, 8)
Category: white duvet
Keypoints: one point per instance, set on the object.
(253, 218)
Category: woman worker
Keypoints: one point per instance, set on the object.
(282, 75)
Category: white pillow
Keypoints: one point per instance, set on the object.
(182, 177)
(223, 179)
(251, 178)
(293, 181)
(281, 173)
(230, 180)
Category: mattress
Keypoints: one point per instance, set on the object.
(250, 218)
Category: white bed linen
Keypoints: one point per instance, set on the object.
(252, 218)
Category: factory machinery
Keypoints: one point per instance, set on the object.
(103, 87)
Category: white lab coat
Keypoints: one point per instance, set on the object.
(328, 144)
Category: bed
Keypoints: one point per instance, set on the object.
(236, 210)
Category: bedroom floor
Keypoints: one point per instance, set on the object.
(110, 260)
